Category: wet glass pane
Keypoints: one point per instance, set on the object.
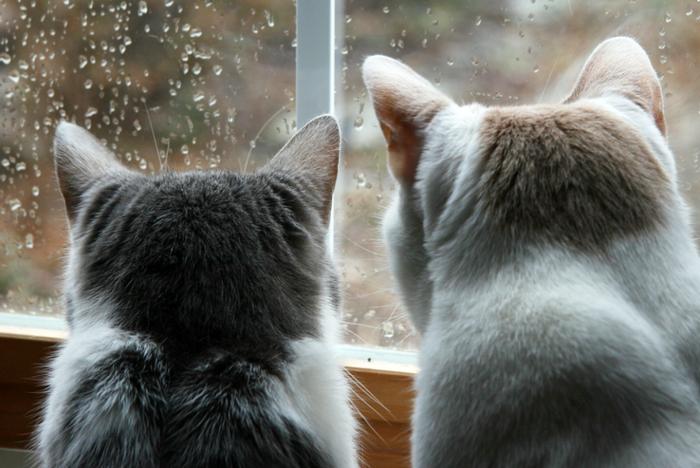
(496, 52)
(184, 85)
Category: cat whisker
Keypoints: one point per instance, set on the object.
(371, 395)
(153, 132)
(360, 246)
(244, 168)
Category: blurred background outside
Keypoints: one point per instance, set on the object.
(201, 84)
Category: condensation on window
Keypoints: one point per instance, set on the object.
(498, 53)
(203, 84)
(184, 85)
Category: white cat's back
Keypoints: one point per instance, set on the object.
(518, 358)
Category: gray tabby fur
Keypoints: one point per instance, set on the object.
(202, 310)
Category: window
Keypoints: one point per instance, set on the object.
(202, 84)
(197, 85)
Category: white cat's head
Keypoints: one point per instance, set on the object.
(479, 185)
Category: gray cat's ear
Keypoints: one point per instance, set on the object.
(405, 103)
(620, 66)
(313, 153)
(80, 160)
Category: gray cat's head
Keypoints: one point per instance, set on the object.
(202, 258)
(479, 185)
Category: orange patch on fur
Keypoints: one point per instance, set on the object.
(574, 174)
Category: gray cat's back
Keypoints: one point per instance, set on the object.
(196, 301)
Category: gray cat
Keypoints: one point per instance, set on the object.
(545, 254)
(202, 314)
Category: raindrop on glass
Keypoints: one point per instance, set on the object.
(143, 8)
(388, 330)
(358, 122)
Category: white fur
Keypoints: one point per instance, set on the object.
(319, 393)
(90, 341)
(648, 286)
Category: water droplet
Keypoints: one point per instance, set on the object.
(196, 69)
(385, 10)
(143, 165)
(14, 204)
(217, 69)
(82, 61)
(478, 21)
(184, 149)
(29, 241)
(90, 112)
(667, 17)
(35, 191)
(270, 20)
(143, 8)
(388, 330)
(21, 166)
(5, 58)
(196, 32)
(361, 181)
(137, 125)
(198, 96)
(536, 69)
(358, 122)
(88, 84)
(14, 76)
(450, 61)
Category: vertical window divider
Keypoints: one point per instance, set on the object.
(315, 70)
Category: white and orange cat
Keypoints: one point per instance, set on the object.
(546, 257)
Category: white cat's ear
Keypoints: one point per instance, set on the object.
(80, 160)
(405, 103)
(313, 152)
(620, 66)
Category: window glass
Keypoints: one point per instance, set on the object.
(203, 84)
(186, 85)
(495, 52)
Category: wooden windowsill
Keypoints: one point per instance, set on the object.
(383, 395)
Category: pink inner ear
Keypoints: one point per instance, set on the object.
(405, 104)
(621, 66)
